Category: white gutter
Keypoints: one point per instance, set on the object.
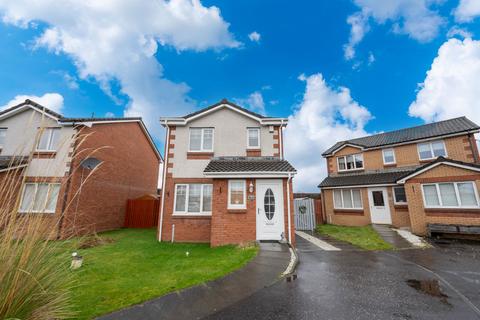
(164, 178)
(280, 142)
(288, 210)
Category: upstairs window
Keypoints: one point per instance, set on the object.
(450, 195)
(431, 150)
(253, 138)
(3, 134)
(49, 139)
(201, 139)
(388, 156)
(350, 162)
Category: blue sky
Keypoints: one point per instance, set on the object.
(298, 68)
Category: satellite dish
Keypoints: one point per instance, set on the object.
(90, 163)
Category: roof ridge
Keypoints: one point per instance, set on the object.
(225, 101)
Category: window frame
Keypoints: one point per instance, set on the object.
(394, 156)
(237, 206)
(259, 139)
(187, 193)
(395, 196)
(202, 149)
(430, 143)
(457, 195)
(3, 130)
(354, 162)
(35, 195)
(343, 202)
(51, 130)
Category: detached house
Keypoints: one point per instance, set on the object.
(52, 157)
(225, 178)
(412, 177)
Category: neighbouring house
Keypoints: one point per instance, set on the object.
(413, 177)
(76, 172)
(225, 179)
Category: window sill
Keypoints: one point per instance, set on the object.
(389, 165)
(44, 154)
(191, 216)
(349, 171)
(350, 212)
(196, 155)
(237, 211)
(470, 210)
(37, 212)
(400, 206)
(254, 152)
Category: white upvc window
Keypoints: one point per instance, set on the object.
(39, 197)
(49, 139)
(201, 139)
(450, 195)
(193, 198)
(347, 199)
(3, 135)
(350, 162)
(431, 150)
(399, 195)
(253, 138)
(389, 156)
(237, 194)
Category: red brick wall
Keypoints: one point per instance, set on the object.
(187, 229)
(129, 170)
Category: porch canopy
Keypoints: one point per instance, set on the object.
(12, 162)
(249, 167)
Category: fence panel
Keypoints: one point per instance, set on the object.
(142, 213)
(304, 214)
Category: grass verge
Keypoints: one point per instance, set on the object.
(134, 267)
(364, 237)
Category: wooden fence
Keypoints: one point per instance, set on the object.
(142, 213)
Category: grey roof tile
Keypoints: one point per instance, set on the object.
(430, 130)
(248, 164)
(369, 178)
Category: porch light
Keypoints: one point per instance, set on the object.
(250, 187)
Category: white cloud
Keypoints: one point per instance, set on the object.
(254, 36)
(467, 10)
(325, 115)
(371, 58)
(254, 102)
(457, 31)
(53, 101)
(450, 88)
(415, 18)
(117, 40)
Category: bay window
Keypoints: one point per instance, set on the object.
(450, 195)
(431, 150)
(193, 198)
(201, 140)
(39, 197)
(350, 162)
(347, 199)
(237, 193)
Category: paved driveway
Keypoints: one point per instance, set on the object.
(371, 285)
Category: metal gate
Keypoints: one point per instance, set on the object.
(304, 214)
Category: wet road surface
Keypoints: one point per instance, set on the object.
(438, 283)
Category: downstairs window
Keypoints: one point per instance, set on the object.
(450, 195)
(193, 198)
(39, 197)
(347, 199)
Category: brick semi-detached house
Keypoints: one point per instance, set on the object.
(413, 177)
(53, 156)
(226, 180)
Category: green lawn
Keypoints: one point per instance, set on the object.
(363, 237)
(136, 267)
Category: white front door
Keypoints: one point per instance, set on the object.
(270, 219)
(379, 206)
